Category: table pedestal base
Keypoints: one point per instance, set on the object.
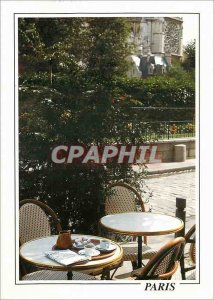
(139, 251)
(70, 275)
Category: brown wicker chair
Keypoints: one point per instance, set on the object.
(35, 220)
(164, 263)
(123, 198)
(191, 255)
(56, 275)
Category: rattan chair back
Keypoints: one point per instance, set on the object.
(164, 263)
(190, 239)
(191, 254)
(35, 220)
(123, 198)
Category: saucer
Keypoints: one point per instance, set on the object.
(109, 249)
(82, 245)
(95, 252)
(78, 246)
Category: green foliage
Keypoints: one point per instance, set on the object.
(189, 57)
(109, 49)
(68, 94)
(175, 89)
(73, 90)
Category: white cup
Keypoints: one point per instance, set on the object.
(104, 244)
(88, 250)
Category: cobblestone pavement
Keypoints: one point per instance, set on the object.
(165, 189)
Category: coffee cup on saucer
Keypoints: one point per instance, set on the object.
(104, 244)
(89, 249)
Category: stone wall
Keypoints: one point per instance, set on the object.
(165, 148)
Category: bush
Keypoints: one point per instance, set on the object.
(176, 90)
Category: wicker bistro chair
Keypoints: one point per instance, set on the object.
(164, 263)
(34, 222)
(191, 256)
(56, 275)
(123, 198)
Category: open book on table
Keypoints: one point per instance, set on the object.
(66, 257)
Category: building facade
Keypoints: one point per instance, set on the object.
(157, 44)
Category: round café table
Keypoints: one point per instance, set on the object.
(33, 252)
(141, 224)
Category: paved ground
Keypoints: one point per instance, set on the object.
(159, 168)
(164, 191)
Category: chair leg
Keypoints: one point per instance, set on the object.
(134, 265)
(183, 273)
(115, 270)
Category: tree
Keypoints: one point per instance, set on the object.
(189, 57)
(69, 95)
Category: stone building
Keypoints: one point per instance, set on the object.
(157, 44)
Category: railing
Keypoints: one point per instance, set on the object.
(182, 126)
(167, 129)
